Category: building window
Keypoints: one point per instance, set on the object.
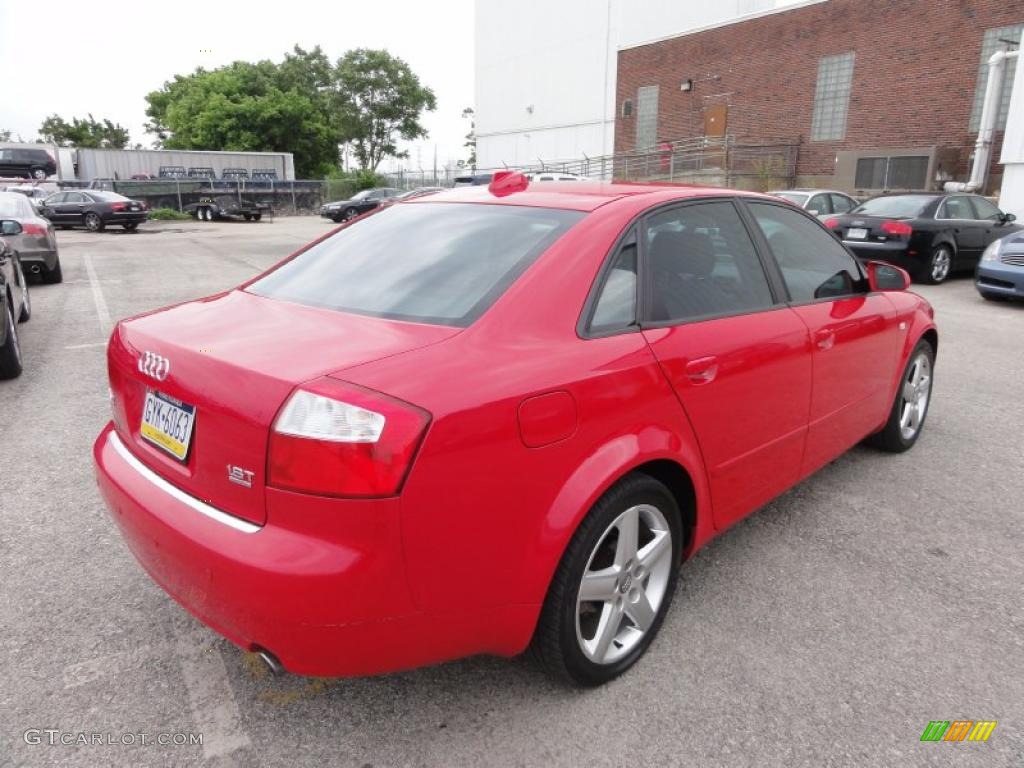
(832, 97)
(646, 116)
(993, 40)
(627, 108)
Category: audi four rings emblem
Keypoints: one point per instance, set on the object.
(154, 366)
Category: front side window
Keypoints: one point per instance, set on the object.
(841, 203)
(985, 209)
(702, 263)
(814, 266)
(75, 197)
(819, 204)
(440, 263)
(616, 304)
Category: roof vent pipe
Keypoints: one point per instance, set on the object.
(987, 127)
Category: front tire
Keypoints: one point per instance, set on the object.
(10, 351)
(613, 586)
(93, 222)
(910, 409)
(131, 226)
(350, 213)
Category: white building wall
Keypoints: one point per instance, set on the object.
(1011, 197)
(545, 69)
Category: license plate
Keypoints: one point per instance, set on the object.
(133, 207)
(167, 423)
(856, 234)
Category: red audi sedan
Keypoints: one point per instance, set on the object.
(498, 417)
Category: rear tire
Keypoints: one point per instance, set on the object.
(26, 301)
(910, 407)
(93, 222)
(130, 226)
(39, 173)
(10, 351)
(257, 216)
(54, 275)
(629, 579)
(939, 266)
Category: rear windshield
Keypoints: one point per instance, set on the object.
(106, 197)
(441, 263)
(895, 206)
(15, 206)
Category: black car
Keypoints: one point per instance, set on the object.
(94, 209)
(227, 206)
(359, 203)
(15, 306)
(28, 163)
(473, 179)
(930, 234)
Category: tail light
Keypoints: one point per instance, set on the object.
(119, 206)
(832, 222)
(33, 229)
(897, 228)
(332, 438)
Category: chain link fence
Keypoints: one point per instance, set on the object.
(718, 161)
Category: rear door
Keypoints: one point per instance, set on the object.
(738, 359)
(854, 333)
(72, 209)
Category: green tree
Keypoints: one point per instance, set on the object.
(470, 142)
(253, 107)
(379, 102)
(84, 133)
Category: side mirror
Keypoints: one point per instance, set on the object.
(10, 227)
(886, 277)
(1006, 218)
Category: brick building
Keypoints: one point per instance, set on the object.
(879, 94)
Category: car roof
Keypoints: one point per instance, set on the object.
(575, 196)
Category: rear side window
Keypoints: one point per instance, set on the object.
(813, 265)
(615, 309)
(957, 208)
(440, 263)
(702, 263)
(841, 203)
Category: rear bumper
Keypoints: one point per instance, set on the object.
(1000, 279)
(44, 257)
(894, 252)
(124, 217)
(322, 585)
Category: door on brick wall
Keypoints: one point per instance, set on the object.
(715, 118)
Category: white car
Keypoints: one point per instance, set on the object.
(821, 202)
(554, 176)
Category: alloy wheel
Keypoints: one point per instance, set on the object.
(350, 214)
(624, 584)
(941, 262)
(917, 388)
(92, 222)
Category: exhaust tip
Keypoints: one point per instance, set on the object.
(35, 269)
(273, 663)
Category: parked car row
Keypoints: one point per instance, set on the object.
(15, 304)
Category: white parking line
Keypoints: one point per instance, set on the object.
(87, 346)
(215, 712)
(97, 296)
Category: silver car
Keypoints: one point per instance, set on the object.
(37, 243)
(820, 202)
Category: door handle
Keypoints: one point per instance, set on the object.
(825, 339)
(703, 370)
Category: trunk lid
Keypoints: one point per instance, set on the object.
(865, 229)
(236, 357)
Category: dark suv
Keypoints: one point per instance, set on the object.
(29, 163)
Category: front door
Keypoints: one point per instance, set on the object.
(854, 333)
(738, 359)
(969, 232)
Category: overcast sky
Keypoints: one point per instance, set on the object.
(72, 59)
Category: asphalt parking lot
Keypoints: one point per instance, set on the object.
(827, 629)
